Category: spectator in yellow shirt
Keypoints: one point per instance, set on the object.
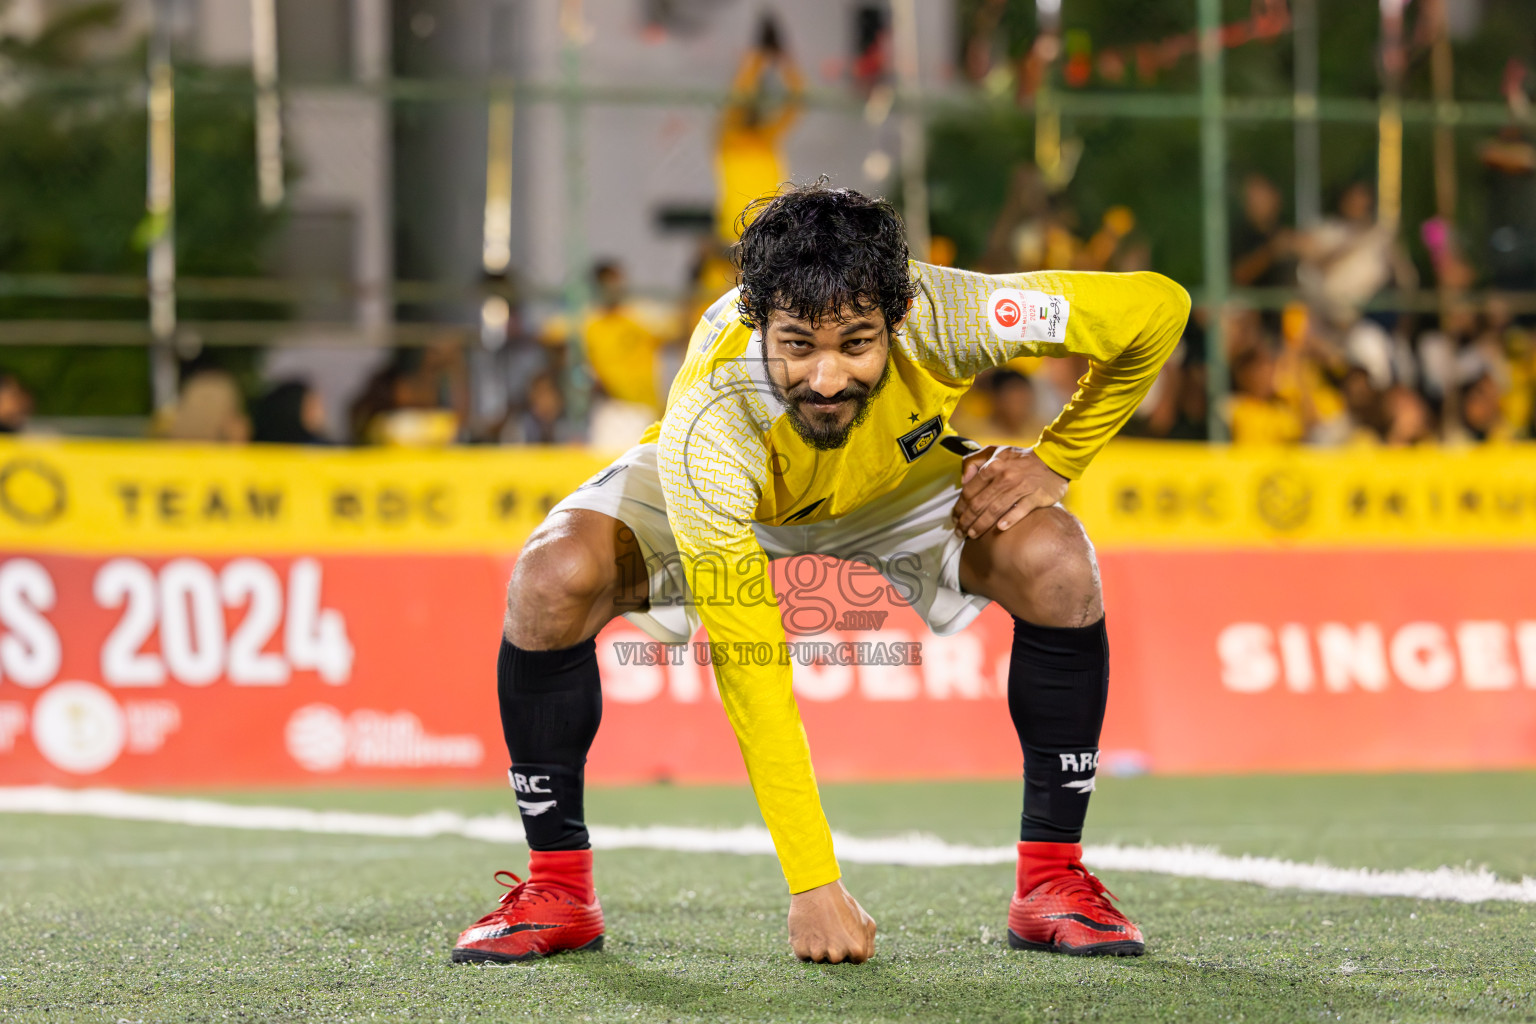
(1482, 418)
(623, 341)
(1259, 415)
(748, 161)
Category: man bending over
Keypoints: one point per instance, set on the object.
(811, 416)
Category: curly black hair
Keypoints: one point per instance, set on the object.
(817, 252)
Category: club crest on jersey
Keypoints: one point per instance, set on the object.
(919, 439)
(1018, 315)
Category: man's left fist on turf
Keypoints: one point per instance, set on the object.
(827, 926)
(1001, 485)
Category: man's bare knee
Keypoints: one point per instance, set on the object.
(557, 586)
(1055, 569)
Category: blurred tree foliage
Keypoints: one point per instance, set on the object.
(1152, 165)
(72, 196)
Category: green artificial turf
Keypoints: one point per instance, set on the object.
(111, 921)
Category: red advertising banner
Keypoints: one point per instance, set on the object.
(1324, 660)
(241, 671)
(173, 615)
(380, 669)
(176, 671)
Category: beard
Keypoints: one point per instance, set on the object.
(821, 430)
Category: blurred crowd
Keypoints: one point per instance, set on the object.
(1321, 369)
(1310, 361)
(1309, 357)
(1328, 369)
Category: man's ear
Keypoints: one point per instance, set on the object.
(904, 314)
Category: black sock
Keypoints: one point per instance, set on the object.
(1058, 682)
(551, 704)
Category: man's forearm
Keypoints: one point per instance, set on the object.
(761, 707)
(759, 701)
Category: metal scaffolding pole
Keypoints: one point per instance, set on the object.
(1389, 149)
(1442, 68)
(914, 148)
(1213, 161)
(1048, 155)
(496, 232)
(578, 381)
(1309, 202)
(269, 121)
(160, 206)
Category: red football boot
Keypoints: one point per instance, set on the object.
(1059, 906)
(555, 910)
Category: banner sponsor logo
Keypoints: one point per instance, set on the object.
(82, 728)
(322, 739)
(1337, 657)
(1327, 660)
(78, 727)
(1174, 495)
(32, 491)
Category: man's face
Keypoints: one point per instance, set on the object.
(1356, 203)
(1261, 202)
(1257, 376)
(610, 287)
(826, 373)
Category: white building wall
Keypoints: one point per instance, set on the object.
(637, 157)
(634, 157)
(341, 142)
(340, 139)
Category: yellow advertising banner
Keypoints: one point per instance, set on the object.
(1141, 494)
(162, 498)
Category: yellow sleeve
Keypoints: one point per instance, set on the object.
(709, 461)
(1126, 324)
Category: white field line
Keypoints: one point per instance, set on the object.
(349, 852)
(1444, 883)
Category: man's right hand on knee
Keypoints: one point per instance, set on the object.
(827, 926)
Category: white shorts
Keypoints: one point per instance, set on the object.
(908, 530)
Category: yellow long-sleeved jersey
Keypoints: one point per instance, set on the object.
(729, 457)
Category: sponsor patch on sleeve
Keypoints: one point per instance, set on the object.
(1018, 315)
